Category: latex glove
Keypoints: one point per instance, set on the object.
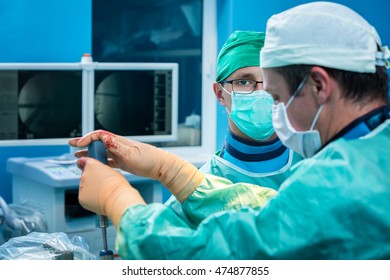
(179, 176)
(105, 191)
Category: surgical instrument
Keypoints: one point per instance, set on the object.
(97, 151)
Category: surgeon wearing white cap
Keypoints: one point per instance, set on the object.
(326, 68)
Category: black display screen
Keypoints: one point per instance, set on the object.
(37, 104)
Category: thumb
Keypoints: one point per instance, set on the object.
(84, 161)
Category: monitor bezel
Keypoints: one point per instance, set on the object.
(88, 71)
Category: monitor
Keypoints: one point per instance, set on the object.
(39, 102)
(137, 100)
(48, 103)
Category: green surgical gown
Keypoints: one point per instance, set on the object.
(335, 205)
(218, 195)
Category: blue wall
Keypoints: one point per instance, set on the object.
(45, 30)
(41, 31)
(253, 14)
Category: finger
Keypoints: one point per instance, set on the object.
(118, 146)
(93, 136)
(86, 163)
(81, 153)
(84, 193)
(73, 142)
(81, 162)
(84, 153)
(112, 163)
(110, 140)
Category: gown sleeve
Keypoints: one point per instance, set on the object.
(330, 208)
(218, 194)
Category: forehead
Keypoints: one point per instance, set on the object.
(275, 84)
(246, 72)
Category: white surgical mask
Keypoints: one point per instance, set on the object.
(252, 114)
(306, 143)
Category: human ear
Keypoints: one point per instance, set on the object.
(322, 83)
(218, 91)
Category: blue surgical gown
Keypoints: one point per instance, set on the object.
(334, 205)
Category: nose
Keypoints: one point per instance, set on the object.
(259, 86)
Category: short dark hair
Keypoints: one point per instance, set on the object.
(356, 86)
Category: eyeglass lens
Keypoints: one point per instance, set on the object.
(243, 86)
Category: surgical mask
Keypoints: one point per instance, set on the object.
(306, 143)
(252, 113)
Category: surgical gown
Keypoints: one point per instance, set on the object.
(259, 163)
(335, 205)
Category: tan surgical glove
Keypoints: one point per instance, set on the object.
(178, 175)
(105, 191)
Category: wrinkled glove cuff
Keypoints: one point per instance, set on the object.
(180, 177)
(117, 203)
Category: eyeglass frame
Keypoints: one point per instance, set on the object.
(232, 81)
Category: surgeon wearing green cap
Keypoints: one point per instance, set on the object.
(252, 152)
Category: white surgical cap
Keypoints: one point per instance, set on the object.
(325, 34)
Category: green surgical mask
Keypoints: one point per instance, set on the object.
(252, 113)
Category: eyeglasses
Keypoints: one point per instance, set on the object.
(242, 86)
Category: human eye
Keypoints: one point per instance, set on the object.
(243, 86)
(243, 82)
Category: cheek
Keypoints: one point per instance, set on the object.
(294, 117)
(228, 102)
(301, 115)
(229, 105)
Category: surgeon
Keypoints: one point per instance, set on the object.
(252, 152)
(325, 65)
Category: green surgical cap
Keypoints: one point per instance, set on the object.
(242, 49)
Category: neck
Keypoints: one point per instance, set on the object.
(341, 115)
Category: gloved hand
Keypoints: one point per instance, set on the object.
(178, 175)
(105, 191)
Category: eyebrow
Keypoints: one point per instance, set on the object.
(245, 76)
